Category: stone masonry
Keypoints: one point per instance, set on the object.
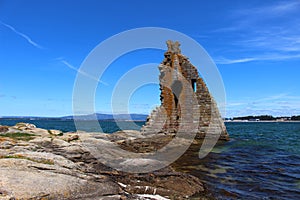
(186, 104)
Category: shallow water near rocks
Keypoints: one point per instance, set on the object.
(261, 161)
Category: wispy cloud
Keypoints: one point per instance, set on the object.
(278, 105)
(280, 111)
(283, 7)
(246, 18)
(82, 72)
(234, 104)
(273, 39)
(26, 37)
(262, 33)
(273, 97)
(227, 61)
(5, 96)
(270, 10)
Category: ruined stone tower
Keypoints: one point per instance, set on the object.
(186, 104)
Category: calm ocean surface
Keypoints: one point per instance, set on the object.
(261, 161)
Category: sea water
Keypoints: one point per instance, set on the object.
(261, 160)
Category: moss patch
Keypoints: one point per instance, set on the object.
(44, 161)
(19, 136)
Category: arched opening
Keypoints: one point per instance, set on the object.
(176, 89)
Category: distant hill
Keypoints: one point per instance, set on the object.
(99, 116)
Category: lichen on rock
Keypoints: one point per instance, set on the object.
(186, 103)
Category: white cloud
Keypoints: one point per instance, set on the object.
(273, 97)
(26, 37)
(262, 33)
(82, 72)
(282, 7)
(226, 61)
(277, 9)
(273, 40)
(281, 104)
(234, 104)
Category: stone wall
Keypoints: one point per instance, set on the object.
(186, 104)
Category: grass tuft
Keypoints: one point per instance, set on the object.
(19, 136)
(44, 161)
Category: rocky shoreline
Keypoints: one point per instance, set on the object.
(48, 164)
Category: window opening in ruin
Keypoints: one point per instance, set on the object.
(176, 89)
(194, 85)
(175, 100)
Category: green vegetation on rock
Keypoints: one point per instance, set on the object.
(19, 136)
(44, 161)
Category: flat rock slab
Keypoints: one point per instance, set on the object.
(60, 166)
(24, 179)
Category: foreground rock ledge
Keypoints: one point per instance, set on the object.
(47, 164)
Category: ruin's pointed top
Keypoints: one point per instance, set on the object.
(173, 47)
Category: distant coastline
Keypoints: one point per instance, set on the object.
(271, 121)
(143, 117)
(264, 118)
(90, 117)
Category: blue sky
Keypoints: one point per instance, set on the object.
(255, 44)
